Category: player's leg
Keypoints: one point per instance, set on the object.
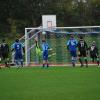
(4, 60)
(47, 63)
(0, 61)
(86, 61)
(21, 62)
(44, 63)
(17, 62)
(16, 59)
(21, 59)
(74, 58)
(43, 59)
(7, 60)
(73, 62)
(97, 60)
(80, 59)
(85, 58)
(93, 59)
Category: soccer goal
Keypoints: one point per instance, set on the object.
(56, 38)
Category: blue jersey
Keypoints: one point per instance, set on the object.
(45, 47)
(17, 46)
(72, 44)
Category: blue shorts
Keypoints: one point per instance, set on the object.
(45, 55)
(18, 57)
(73, 53)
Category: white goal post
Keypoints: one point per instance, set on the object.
(61, 30)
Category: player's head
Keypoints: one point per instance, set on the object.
(3, 40)
(17, 40)
(71, 36)
(81, 37)
(93, 43)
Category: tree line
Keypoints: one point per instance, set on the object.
(15, 15)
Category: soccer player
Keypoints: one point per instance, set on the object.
(0, 52)
(19, 50)
(72, 47)
(4, 49)
(83, 48)
(94, 52)
(45, 48)
(0, 56)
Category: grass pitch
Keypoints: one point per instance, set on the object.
(54, 83)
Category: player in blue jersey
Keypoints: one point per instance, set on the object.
(72, 47)
(19, 49)
(45, 48)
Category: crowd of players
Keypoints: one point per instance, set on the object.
(17, 47)
(78, 50)
(83, 51)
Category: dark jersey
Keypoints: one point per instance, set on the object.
(0, 50)
(82, 45)
(4, 48)
(93, 50)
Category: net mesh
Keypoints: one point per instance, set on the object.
(57, 39)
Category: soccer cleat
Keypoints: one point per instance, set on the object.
(47, 65)
(43, 65)
(98, 63)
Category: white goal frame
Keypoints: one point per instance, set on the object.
(41, 29)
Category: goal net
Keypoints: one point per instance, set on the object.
(57, 38)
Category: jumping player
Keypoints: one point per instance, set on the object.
(4, 49)
(94, 52)
(45, 48)
(19, 49)
(83, 48)
(72, 47)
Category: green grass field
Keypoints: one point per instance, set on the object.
(54, 83)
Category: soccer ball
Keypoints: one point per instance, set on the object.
(43, 33)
